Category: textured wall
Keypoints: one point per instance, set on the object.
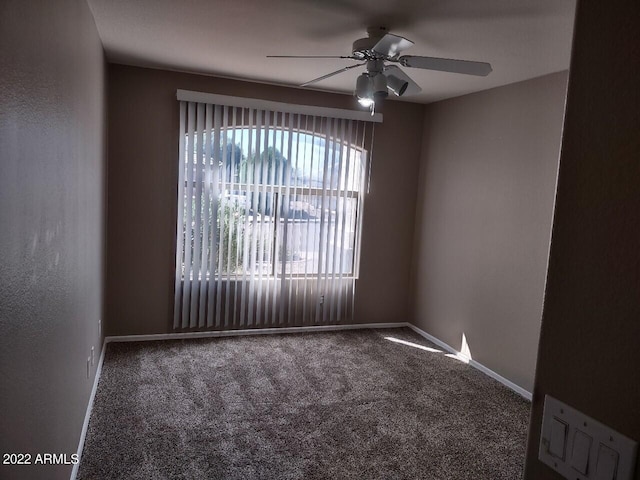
(589, 356)
(485, 204)
(52, 153)
(142, 179)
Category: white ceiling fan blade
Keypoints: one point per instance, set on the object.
(412, 87)
(391, 45)
(467, 67)
(316, 80)
(309, 56)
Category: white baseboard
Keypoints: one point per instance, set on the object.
(506, 382)
(487, 371)
(318, 328)
(87, 415)
(250, 331)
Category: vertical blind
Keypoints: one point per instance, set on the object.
(270, 207)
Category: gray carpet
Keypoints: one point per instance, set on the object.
(338, 405)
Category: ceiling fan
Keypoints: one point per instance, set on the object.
(381, 47)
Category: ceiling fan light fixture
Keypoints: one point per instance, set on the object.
(397, 85)
(380, 86)
(364, 90)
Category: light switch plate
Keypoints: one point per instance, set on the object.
(600, 434)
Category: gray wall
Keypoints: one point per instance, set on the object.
(142, 192)
(589, 353)
(483, 222)
(52, 154)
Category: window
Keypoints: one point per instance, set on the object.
(285, 209)
(270, 204)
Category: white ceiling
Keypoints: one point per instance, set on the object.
(522, 39)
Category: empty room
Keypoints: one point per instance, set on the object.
(336, 239)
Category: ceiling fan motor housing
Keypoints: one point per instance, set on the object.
(375, 66)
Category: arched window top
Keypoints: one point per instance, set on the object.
(281, 156)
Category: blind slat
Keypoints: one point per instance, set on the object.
(208, 186)
(212, 318)
(197, 223)
(186, 285)
(222, 217)
(180, 225)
